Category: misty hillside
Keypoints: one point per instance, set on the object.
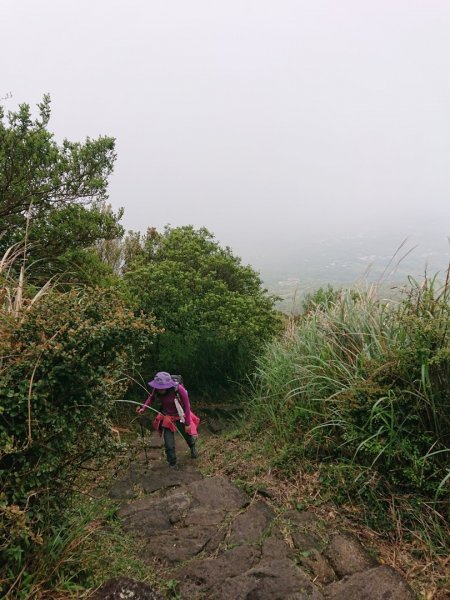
(359, 259)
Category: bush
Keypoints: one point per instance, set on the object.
(61, 361)
(215, 314)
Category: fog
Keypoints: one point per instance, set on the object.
(281, 126)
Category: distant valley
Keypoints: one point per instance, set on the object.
(354, 260)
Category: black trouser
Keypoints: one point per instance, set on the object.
(169, 441)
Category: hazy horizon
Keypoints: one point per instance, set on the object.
(276, 125)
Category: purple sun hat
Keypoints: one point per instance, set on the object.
(162, 381)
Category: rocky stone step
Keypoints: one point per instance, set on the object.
(142, 478)
(222, 544)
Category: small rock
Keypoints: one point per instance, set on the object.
(151, 479)
(218, 493)
(250, 525)
(380, 583)
(306, 541)
(347, 556)
(123, 588)
(304, 519)
(318, 565)
(161, 477)
(264, 492)
(125, 487)
(123, 490)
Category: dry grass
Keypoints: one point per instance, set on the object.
(13, 299)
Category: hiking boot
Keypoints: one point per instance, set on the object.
(194, 452)
(175, 467)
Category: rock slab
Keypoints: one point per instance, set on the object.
(380, 583)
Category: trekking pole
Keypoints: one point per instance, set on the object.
(145, 445)
(147, 408)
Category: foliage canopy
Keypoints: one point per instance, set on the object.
(53, 195)
(214, 311)
(37, 174)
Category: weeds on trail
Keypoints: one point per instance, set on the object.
(90, 548)
(362, 385)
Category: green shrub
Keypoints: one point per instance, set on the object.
(61, 360)
(323, 298)
(215, 314)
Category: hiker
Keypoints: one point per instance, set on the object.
(175, 414)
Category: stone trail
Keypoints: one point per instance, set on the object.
(221, 544)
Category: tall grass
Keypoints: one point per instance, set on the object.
(308, 374)
(363, 382)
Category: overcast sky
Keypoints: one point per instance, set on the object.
(270, 122)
